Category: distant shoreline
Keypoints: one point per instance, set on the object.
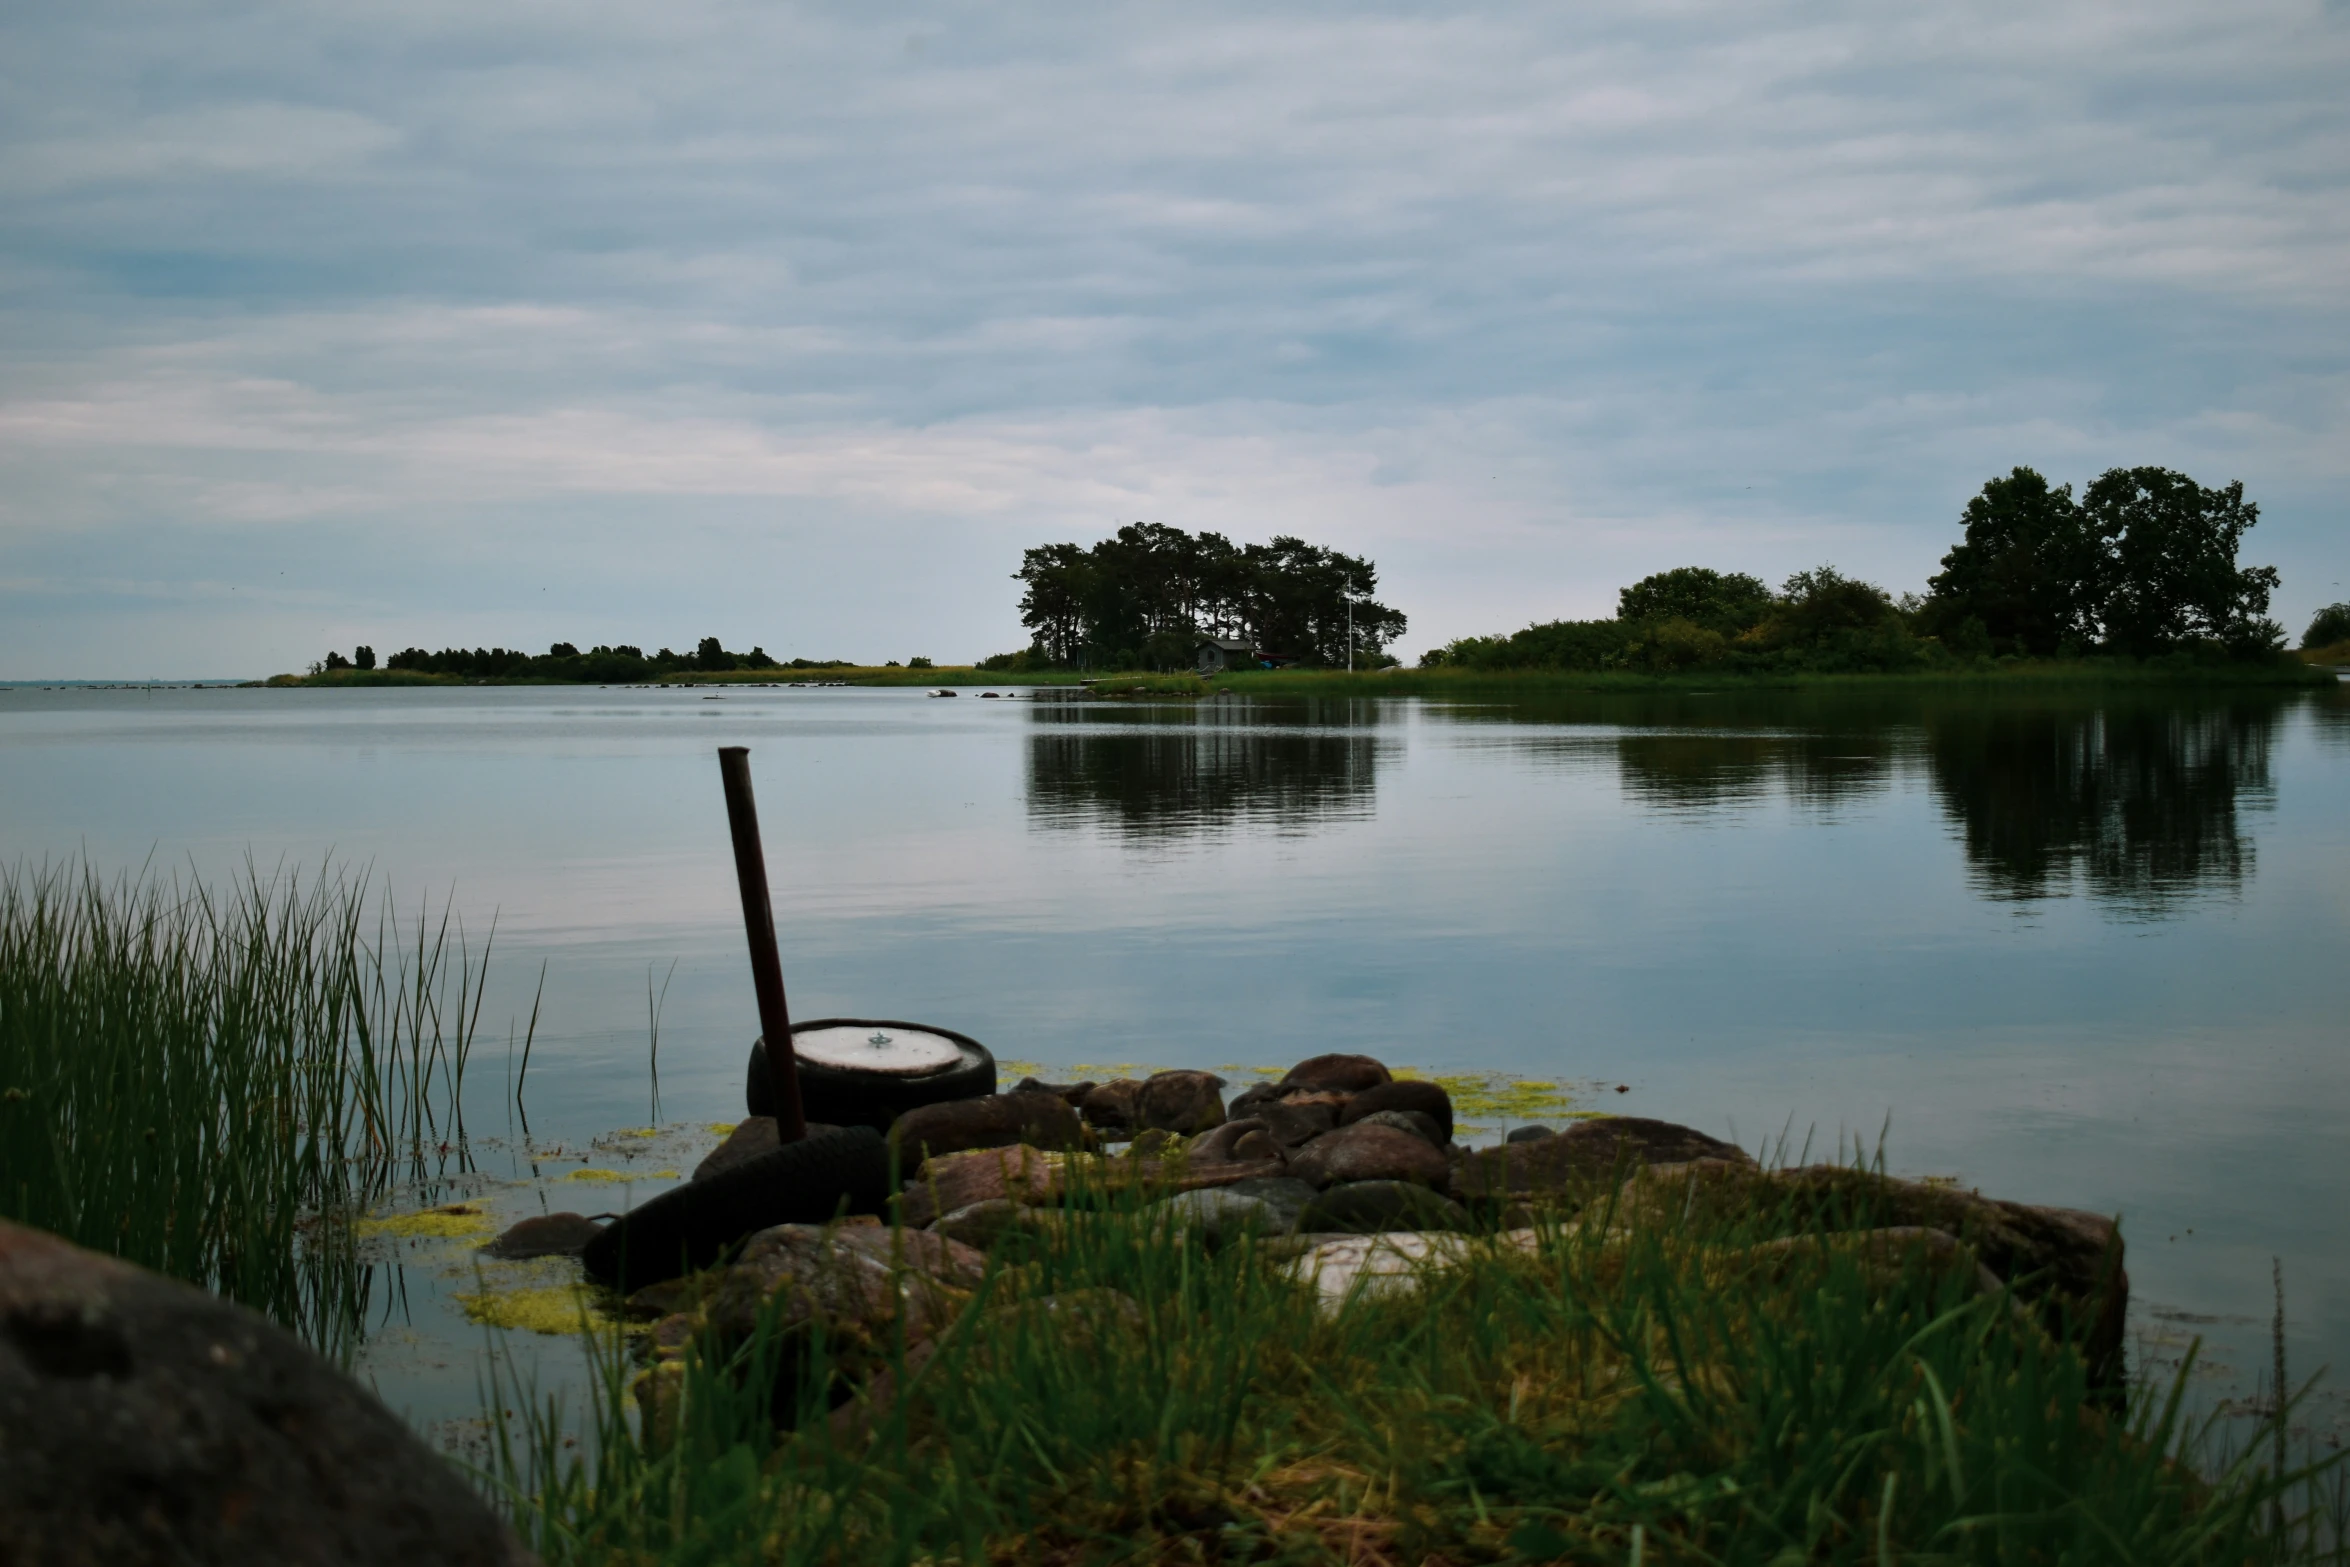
(2287, 671)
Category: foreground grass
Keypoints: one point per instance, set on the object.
(212, 1084)
(1650, 1390)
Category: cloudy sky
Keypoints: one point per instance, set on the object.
(430, 322)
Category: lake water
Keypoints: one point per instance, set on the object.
(2071, 949)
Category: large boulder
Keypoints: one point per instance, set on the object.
(1412, 1121)
(1347, 1074)
(992, 1121)
(1584, 1158)
(1235, 1142)
(1428, 1099)
(1369, 1153)
(1292, 1124)
(2066, 1264)
(942, 1185)
(144, 1421)
(1185, 1103)
(1112, 1105)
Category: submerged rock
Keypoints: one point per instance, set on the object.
(142, 1420)
(546, 1235)
(1369, 1153)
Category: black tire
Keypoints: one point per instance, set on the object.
(844, 1096)
(833, 1171)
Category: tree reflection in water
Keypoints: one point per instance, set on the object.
(1165, 772)
(2138, 804)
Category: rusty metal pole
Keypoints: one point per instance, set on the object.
(750, 870)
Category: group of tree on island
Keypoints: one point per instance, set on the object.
(603, 664)
(1144, 597)
(2142, 565)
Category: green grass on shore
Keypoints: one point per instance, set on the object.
(1660, 1389)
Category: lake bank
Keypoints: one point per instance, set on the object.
(2287, 671)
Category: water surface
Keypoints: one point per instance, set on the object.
(2077, 949)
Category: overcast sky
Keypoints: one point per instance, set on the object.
(437, 322)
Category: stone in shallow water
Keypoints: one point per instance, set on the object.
(142, 1420)
(547, 1235)
(1529, 1134)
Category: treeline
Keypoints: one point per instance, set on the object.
(2142, 565)
(603, 664)
(1143, 598)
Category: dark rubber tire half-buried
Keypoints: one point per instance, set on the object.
(834, 1170)
(845, 1096)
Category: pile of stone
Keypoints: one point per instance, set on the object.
(1342, 1169)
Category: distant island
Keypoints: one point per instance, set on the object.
(2136, 577)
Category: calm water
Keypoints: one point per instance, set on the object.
(2080, 951)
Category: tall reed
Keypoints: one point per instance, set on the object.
(215, 1082)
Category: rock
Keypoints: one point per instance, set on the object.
(981, 1224)
(990, 1121)
(942, 1185)
(1220, 1214)
(1075, 1319)
(1184, 1102)
(1252, 1100)
(1257, 1147)
(1285, 1196)
(1584, 1157)
(1369, 1153)
(1068, 1093)
(1345, 1073)
(1529, 1134)
(2066, 1264)
(1111, 1105)
(860, 1291)
(1412, 1121)
(1216, 1147)
(1429, 1099)
(143, 1420)
(1355, 1268)
(547, 1235)
(1154, 1144)
(1293, 1124)
(1378, 1207)
(749, 1139)
(1886, 1252)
